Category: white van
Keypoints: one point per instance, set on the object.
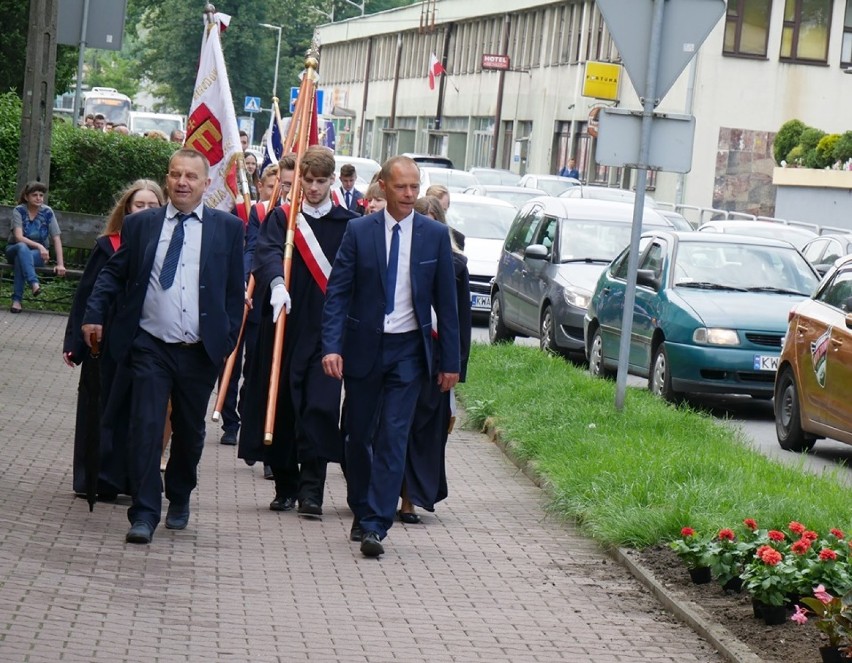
(141, 123)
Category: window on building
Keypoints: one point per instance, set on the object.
(846, 46)
(804, 37)
(747, 27)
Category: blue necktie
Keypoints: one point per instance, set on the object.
(348, 199)
(390, 276)
(170, 262)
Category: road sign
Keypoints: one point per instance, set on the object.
(671, 140)
(601, 80)
(495, 62)
(252, 105)
(104, 23)
(686, 24)
(294, 94)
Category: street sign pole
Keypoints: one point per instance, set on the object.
(649, 102)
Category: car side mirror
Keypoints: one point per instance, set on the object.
(648, 278)
(536, 252)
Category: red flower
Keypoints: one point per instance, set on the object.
(772, 557)
(726, 534)
(796, 528)
(775, 535)
(687, 531)
(751, 523)
(761, 550)
(801, 546)
(827, 554)
(810, 535)
(838, 533)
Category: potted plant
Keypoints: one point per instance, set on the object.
(833, 617)
(727, 558)
(769, 577)
(694, 551)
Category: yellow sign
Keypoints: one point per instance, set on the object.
(602, 80)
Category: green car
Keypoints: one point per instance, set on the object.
(710, 313)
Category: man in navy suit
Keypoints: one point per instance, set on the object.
(349, 195)
(393, 268)
(178, 278)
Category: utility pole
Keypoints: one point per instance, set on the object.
(39, 84)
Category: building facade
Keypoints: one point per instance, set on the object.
(765, 62)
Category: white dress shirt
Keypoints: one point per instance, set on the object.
(402, 318)
(172, 315)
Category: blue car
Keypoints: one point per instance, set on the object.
(710, 314)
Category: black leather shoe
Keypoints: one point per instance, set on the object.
(140, 532)
(409, 517)
(370, 545)
(177, 517)
(229, 438)
(282, 503)
(309, 508)
(267, 472)
(355, 533)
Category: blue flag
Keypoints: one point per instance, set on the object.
(274, 148)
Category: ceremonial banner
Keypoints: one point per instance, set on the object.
(211, 127)
(435, 69)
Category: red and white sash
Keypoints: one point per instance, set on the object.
(312, 254)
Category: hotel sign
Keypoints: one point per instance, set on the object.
(500, 62)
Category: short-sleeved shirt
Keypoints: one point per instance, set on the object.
(40, 229)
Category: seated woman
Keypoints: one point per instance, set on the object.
(33, 224)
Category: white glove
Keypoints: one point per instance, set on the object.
(279, 299)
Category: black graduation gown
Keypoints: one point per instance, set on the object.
(307, 422)
(114, 387)
(425, 469)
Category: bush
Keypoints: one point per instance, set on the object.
(843, 148)
(88, 168)
(10, 137)
(795, 156)
(786, 139)
(809, 140)
(825, 151)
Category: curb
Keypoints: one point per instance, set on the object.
(722, 640)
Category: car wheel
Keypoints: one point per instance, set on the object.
(546, 339)
(788, 421)
(596, 364)
(660, 380)
(497, 330)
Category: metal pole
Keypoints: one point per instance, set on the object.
(363, 142)
(80, 56)
(648, 103)
(501, 80)
(439, 112)
(690, 101)
(277, 59)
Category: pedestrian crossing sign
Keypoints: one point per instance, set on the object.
(252, 105)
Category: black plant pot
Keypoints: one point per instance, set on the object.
(735, 584)
(773, 615)
(831, 654)
(701, 575)
(757, 608)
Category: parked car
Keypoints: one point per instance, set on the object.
(625, 196)
(798, 237)
(454, 180)
(823, 251)
(495, 176)
(364, 169)
(484, 223)
(429, 160)
(553, 184)
(710, 312)
(815, 370)
(550, 261)
(517, 195)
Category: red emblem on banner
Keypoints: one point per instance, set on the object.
(204, 133)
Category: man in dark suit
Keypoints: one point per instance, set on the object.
(178, 278)
(349, 195)
(392, 269)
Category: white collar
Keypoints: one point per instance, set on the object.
(390, 222)
(172, 211)
(317, 212)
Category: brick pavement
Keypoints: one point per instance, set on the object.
(488, 577)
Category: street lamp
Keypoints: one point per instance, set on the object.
(277, 55)
(328, 15)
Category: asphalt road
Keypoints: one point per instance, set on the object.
(754, 417)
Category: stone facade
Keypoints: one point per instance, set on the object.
(744, 166)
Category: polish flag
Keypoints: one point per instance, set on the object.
(435, 69)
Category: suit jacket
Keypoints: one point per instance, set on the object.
(221, 285)
(354, 197)
(354, 313)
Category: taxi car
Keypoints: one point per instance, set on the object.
(815, 369)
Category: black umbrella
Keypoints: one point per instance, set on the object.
(90, 383)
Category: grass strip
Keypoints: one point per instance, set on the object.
(634, 478)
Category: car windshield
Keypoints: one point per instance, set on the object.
(455, 180)
(486, 176)
(480, 221)
(554, 187)
(517, 197)
(797, 237)
(750, 267)
(595, 239)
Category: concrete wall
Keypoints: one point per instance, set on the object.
(823, 197)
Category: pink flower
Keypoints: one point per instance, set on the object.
(838, 533)
(751, 523)
(726, 534)
(796, 528)
(775, 535)
(821, 595)
(687, 531)
(827, 555)
(800, 616)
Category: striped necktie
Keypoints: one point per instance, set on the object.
(170, 262)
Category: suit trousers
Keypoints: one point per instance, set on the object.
(162, 370)
(379, 412)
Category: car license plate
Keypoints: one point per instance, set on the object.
(766, 362)
(480, 302)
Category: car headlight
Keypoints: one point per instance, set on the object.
(715, 336)
(577, 297)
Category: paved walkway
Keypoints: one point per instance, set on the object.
(488, 577)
